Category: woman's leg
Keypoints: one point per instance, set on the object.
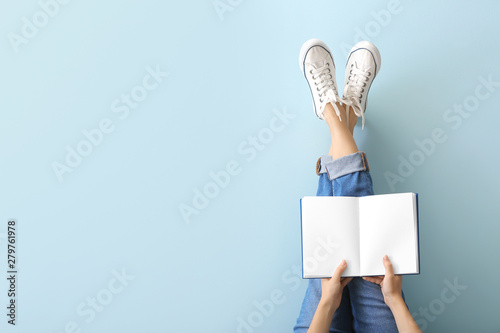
(342, 139)
(342, 144)
(349, 173)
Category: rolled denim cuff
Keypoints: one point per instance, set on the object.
(321, 164)
(345, 165)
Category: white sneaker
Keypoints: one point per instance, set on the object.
(362, 66)
(316, 63)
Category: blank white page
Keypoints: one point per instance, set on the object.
(388, 225)
(330, 233)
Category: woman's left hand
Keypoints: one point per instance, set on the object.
(331, 289)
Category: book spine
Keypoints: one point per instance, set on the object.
(301, 239)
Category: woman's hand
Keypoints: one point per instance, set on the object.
(331, 295)
(391, 284)
(331, 289)
(391, 289)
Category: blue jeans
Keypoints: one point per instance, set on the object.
(362, 308)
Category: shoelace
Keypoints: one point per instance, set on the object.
(358, 77)
(323, 80)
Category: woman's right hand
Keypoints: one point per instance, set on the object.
(391, 289)
(391, 284)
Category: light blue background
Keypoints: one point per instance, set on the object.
(120, 208)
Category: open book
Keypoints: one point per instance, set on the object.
(360, 230)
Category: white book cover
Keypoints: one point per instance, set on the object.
(360, 230)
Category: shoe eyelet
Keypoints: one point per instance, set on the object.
(364, 84)
(363, 90)
(310, 72)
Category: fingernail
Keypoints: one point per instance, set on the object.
(343, 262)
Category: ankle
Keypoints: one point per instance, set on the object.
(336, 126)
(331, 115)
(353, 119)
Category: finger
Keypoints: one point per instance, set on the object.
(345, 281)
(378, 277)
(388, 266)
(339, 270)
(373, 279)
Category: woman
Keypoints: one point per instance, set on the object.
(369, 304)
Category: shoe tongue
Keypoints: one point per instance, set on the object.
(360, 66)
(318, 64)
(319, 57)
